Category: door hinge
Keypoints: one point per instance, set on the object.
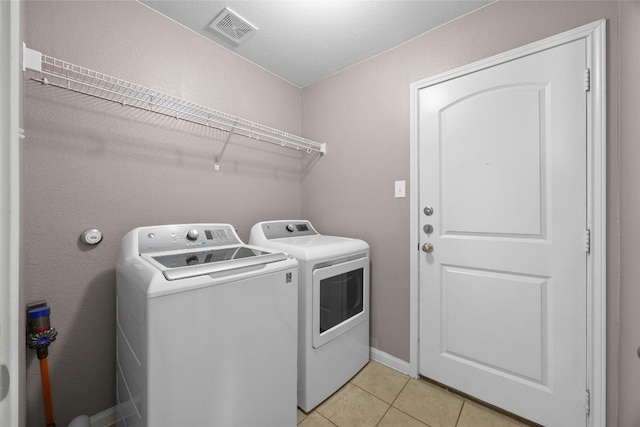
(587, 402)
(587, 240)
(587, 80)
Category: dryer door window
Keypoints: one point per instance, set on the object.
(339, 299)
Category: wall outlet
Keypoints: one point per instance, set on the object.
(400, 190)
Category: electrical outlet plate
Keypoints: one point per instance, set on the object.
(400, 189)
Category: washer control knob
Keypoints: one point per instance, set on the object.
(290, 228)
(192, 234)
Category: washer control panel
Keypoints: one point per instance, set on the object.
(185, 236)
(282, 229)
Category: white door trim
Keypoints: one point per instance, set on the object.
(594, 34)
(9, 211)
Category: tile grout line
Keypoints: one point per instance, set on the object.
(376, 397)
(360, 388)
(395, 407)
(314, 411)
(390, 404)
(369, 393)
(409, 415)
(332, 423)
(464, 402)
(400, 392)
(383, 415)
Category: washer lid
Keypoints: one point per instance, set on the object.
(184, 264)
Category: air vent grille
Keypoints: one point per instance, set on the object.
(233, 26)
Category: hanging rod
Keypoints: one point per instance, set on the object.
(59, 73)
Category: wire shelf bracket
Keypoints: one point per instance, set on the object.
(56, 72)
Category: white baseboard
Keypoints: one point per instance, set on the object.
(105, 418)
(389, 360)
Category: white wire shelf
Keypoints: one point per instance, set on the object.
(59, 73)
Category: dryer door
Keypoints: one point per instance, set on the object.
(340, 299)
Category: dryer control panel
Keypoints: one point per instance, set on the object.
(282, 229)
(185, 236)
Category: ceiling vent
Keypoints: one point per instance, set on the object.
(233, 26)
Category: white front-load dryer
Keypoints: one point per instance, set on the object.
(333, 321)
(206, 330)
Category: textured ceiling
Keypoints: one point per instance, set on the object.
(305, 41)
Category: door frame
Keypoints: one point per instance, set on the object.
(595, 36)
(10, 318)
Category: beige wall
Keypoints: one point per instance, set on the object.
(363, 115)
(87, 163)
(90, 163)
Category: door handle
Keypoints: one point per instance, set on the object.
(427, 247)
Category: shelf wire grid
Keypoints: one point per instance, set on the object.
(73, 77)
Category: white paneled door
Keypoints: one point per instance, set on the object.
(503, 211)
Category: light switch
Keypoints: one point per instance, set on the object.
(400, 190)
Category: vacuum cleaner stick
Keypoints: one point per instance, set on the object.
(41, 335)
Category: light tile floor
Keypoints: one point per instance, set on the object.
(383, 397)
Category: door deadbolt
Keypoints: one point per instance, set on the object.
(427, 228)
(428, 211)
(427, 247)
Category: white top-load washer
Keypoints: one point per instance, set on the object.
(333, 328)
(206, 329)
